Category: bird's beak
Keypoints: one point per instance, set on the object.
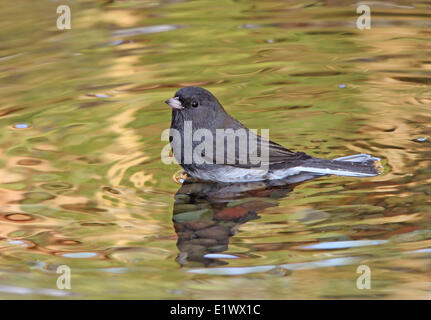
(175, 103)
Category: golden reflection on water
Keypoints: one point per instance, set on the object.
(82, 184)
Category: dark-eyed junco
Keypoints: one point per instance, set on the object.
(211, 145)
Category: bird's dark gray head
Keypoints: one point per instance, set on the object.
(195, 104)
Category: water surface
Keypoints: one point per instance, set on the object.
(82, 184)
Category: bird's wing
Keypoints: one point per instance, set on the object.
(271, 154)
(259, 150)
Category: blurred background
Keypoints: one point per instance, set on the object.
(82, 183)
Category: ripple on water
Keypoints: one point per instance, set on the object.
(56, 186)
(232, 271)
(145, 30)
(342, 244)
(35, 291)
(17, 217)
(80, 255)
(21, 126)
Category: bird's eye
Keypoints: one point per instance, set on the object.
(195, 104)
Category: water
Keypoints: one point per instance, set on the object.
(82, 183)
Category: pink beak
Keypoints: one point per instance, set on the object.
(175, 103)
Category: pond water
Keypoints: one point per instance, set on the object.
(82, 183)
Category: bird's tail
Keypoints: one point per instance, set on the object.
(358, 165)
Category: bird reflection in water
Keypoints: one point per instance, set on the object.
(207, 214)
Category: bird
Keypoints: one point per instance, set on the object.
(199, 122)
